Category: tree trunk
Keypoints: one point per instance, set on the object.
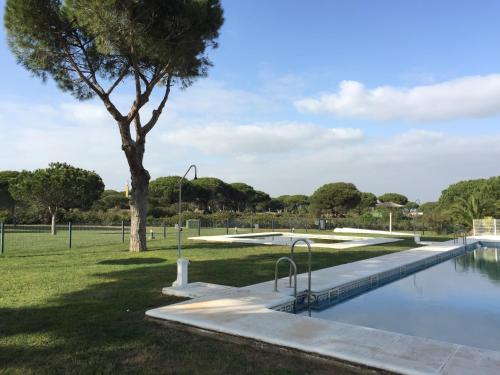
(138, 211)
(134, 152)
(53, 224)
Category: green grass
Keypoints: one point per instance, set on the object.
(82, 310)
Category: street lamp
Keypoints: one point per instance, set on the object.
(179, 229)
(182, 264)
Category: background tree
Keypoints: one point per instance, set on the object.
(212, 193)
(368, 200)
(479, 197)
(60, 186)
(335, 198)
(6, 199)
(112, 199)
(85, 45)
(166, 190)
(294, 203)
(243, 196)
(260, 201)
(464, 210)
(410, 205)
(275, 205)
(393, 197)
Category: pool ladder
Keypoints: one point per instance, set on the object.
(293, 267)
(460, 233)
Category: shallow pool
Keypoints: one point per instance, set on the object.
(456, 301)
(287, 240)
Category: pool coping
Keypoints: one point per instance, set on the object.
(250, 313)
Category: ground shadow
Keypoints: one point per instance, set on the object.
(101, 329)
(127, 261)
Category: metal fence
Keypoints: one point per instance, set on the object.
(21, 238)
(486, 227)
(24, 238)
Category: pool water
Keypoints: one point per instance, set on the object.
(457, 301)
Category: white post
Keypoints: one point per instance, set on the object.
(390, 221)
(495, 226)
(182, 273)
(474, 227)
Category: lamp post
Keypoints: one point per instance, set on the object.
(179, 229)
(415, 213)
(182, 264)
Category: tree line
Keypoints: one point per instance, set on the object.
(63, 192)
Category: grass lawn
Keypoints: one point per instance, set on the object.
(82, 310)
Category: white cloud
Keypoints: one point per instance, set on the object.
(277, 157)
(466, 97)
(260, 138)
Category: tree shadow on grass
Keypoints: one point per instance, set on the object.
(101, 329)
(128, 261)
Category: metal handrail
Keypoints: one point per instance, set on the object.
(309, 271)
(292, 264)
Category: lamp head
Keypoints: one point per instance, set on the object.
(195, 175)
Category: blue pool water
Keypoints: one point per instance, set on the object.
(456, 301)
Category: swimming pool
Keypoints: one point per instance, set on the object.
(457, 301)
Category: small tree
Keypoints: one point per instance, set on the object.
(337, 198)
(85, 45)
(60, 186)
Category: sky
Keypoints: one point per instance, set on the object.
(393, 96)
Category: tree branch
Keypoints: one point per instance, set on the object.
(144, 78)
(157, 112)
(86, 56)
(144, 97)
(111, 108)
(122, 75)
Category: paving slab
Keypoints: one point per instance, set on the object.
(195, 290)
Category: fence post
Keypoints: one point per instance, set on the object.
(70, 231)
(251, 223)
(473, 227)
(199, 227)
(123, 231)
(2, 238)
(495, 227)
(272, 225)
(227, 226)
(164, 230)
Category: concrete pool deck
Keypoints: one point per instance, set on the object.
(248, 313)
(259, 239)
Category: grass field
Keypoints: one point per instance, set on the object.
(82, 310)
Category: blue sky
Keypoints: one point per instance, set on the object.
(391, 95)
